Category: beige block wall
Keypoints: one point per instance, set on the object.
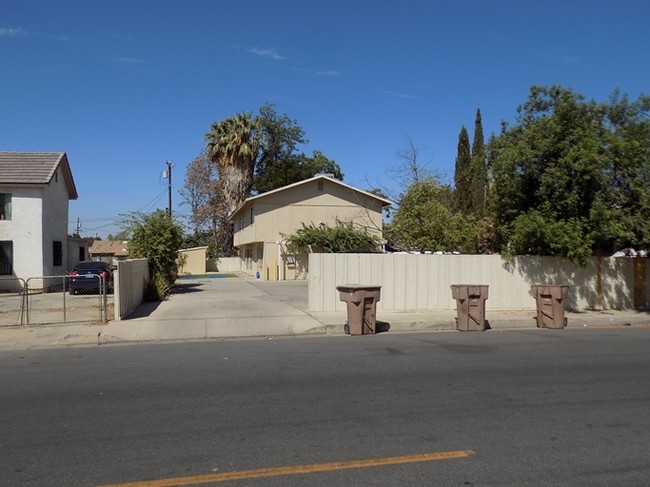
(223, 264)
(131, 279)
(194, 260)
(422, 282)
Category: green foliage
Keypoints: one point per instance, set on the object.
(470, 175)
(343, 237)
(478, 168)
(571, 178)
(316, 164)
(156, 289)
(294, 168)
(157, 238)
(279, 164)
(201, 239)
(233, 146)
(462, 174)
(251, 154)
(122, 235)
(424, 221)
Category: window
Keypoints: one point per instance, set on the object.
(252, 216)
(5, 206)
(57, 253)
(6, 258)
(82, 254)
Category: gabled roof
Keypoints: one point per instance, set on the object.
(327, 177)
(35, 168)
(117, 248)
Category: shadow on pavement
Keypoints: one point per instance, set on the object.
(184, 288)
(144, 310)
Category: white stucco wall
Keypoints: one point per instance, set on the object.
(55, 224)
(24, 230)
(39, 216)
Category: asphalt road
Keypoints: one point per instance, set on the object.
(538, 407)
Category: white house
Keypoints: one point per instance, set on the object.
(35, 188)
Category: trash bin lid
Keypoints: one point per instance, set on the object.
(357, 287)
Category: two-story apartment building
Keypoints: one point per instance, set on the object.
(262, 221)
(35, 188)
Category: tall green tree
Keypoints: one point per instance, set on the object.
(478, 168)
(571, 177)
(278, 163)
(233, 146)
(318, 163)
(251, 155)
(424, 221)
(462, 174)
(156, 237)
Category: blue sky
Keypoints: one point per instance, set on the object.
(123, 86)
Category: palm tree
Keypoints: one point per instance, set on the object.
(233, 146)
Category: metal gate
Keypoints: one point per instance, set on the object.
(54, 299)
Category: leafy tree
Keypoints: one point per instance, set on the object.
(278, 162)
(202, 192)
(157, 238)
(343, 237)
(424, 221)
(478, 176)
(122, 235)
(462, 174)
(316, 164)
(571, 178)
(251, 155)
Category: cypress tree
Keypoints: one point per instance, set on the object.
(478, 176)
(462, 174)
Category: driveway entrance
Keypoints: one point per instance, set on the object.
(227, 307)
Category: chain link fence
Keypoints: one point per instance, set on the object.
(55, 299)
(12, 301)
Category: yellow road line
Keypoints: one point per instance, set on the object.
(296, 469)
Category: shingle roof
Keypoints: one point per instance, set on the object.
(35, 168)
(384, 201)
(118, 248)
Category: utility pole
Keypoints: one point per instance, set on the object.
(169, 188)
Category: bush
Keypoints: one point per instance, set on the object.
(344, 237)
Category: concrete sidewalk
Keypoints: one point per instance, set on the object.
(243, 307)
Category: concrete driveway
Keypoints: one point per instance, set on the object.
(220, 308)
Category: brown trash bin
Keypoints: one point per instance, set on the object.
(361, 306)
(550, 305)
(470, 306)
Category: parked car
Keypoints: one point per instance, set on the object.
(88, 275)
